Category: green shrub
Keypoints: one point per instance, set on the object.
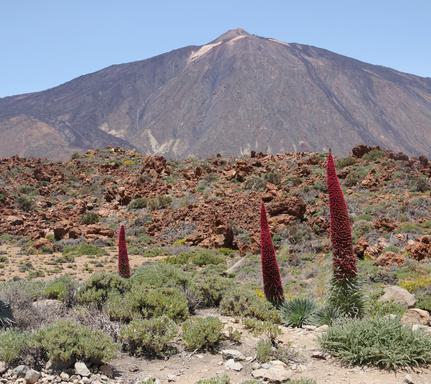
(25, 203)
(202, 333)
(27, 189)
(391, 248)
(259, 327)
(380, 342)
(345, 162)
(374, 155)
(67, 342)
(198, 256)
(326, 315)
(160, 275)
(209, 288)
(263, 351)
(159, 202)
(138, 203)
(421, 184)
(266, 351)
(12, 345)
(61, 288)
(100, 285)
(245, 303)
(234, 335)
(424, 302)
(409, 228)
(297, 312)
(149, 337)
(355, 175)
(361, 228)
(215, 380)
(90, 218)
(206, 257)
(255, 183)
(377, 309)
(147, 303)
(72, 251)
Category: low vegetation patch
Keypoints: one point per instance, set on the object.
(298, 312)
(381, 342)
(147, 303)
(63, 342)
(67, 342)
(245, 303)
(149, 337)
(202, 333)
(101, 285)
(12, 345)
(72, 251)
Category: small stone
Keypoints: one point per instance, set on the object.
(107, 370)
(398, 295)
(31, 376)
(133, 368)
(64, 376)
(3, 367)
(423, 328)
(322, 328)
(309, 327)
(233, 365)
(232, 354)
(81, 369)
(14, 220)
(416, 316)
(20, 370)
(171, 378)
(318, 355)
(408, 379)
(276, 373)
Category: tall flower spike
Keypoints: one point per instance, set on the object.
(344, 260)
(271, 273)
(123, 258)
(345, 296)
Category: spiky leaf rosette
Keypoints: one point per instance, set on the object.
(345, 293)
(271, 273)
(123, 258)
(6, 317)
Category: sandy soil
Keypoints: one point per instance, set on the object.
(187, 368)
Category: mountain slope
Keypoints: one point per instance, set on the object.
(238, 93)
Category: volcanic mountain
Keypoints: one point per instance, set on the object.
(238, 93)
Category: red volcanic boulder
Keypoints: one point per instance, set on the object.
(293, 206)
(361, 150)
(420, 249)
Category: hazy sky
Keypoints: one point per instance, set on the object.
(46, 42)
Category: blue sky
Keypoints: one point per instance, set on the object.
(47, 42)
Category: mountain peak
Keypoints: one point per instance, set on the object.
(230, 34)
(238, 94)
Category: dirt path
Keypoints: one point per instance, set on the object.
(188, 368)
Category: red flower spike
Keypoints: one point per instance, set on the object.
(271, 273)
(123, 259)
(344, 260)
